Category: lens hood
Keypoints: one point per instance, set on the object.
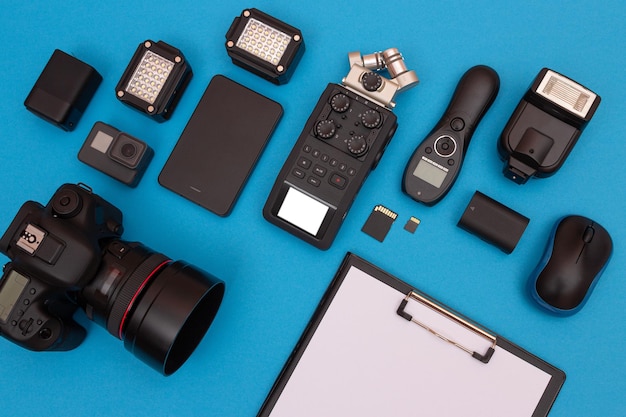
(172, 316)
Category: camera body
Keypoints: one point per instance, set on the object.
(55, 250)
(68, 254)
(116, 154)
(342, 141)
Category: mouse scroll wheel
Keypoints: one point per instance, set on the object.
(588, 234)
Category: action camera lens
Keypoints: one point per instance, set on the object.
(129, 150)
(159, 308)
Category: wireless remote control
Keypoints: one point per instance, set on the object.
(436, 163)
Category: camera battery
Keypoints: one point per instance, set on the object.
(493, 222)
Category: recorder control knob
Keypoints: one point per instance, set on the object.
(371, 81)
(340, 103)
(357, 145)
(370, 119)
(325, 129)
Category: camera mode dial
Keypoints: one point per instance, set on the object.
(357, 145)
(325, 129)
(66, 204)
(371, 81)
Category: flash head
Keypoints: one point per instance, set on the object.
(545, 126)
(154, 80)
(364, 76)
(264, 45)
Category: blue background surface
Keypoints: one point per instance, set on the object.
(274, 281)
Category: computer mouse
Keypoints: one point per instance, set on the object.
(577, 253)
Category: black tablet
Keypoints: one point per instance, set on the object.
(220, 145)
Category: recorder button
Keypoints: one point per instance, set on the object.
(338, 181)
(325, 129)
(357, 145)
(371, 118)
(371, 81)
(340, 103)
(314, 181)
(298, 173)
(457, 124)
(319, 170)
(304, 163)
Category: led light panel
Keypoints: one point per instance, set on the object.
(149, 77)
(264, 45)
(154, 80)
(263, 41)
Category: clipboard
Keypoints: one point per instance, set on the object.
(375, 346)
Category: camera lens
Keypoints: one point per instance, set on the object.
(159, 308)
(129, 150)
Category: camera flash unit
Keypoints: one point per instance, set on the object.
(264, 45)
(154, 80)
(545, 126)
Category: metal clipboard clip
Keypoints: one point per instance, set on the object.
(439, 309)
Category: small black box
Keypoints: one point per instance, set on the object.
(493, 222)
(63, 90)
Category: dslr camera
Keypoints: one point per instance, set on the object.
(69, 254)
(116, 154)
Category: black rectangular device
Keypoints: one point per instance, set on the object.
(493, 222)
(342, 141)
(63, 90)
(220, 145)
(116, 154)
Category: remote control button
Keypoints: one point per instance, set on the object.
(307, 148)
(428, 149)
(340, 103)
(324, 158)
(445, 146)
(333, 162)
(342, 167)
(357, 145)
(338, 181)
(457, 124)
(450, 161)
(316, 153)
(351, 172)
(371, 118)
(371, 81)
(325, 129)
